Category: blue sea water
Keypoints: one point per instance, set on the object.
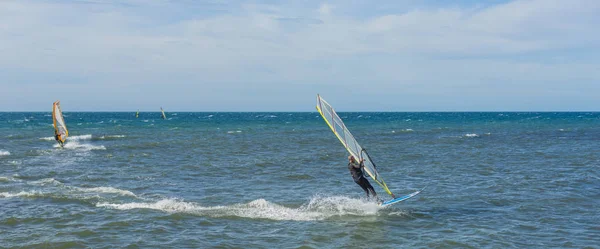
(279, 180)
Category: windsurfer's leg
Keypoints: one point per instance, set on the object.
(370, 187)
(367, 185)
(364, 184)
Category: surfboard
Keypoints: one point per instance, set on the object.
(399, 199)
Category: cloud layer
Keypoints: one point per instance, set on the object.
(217, 55)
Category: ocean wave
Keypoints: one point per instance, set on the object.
(4, 153)
(106, 190)
(403, 130)
(6, 179)
(471, 135)
(265, 116)
(50, 187)
(167, 205)
(21, 194)
(111, 136)
(46, 181)
(318, 208)
(70, 138)
(231, 132)
(77, 146)
(53, 194)
(80, 137)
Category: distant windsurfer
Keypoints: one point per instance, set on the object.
(356, 169)
(58, 139)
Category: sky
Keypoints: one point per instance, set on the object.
(265, 55)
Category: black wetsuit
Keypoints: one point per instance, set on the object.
(357, 174)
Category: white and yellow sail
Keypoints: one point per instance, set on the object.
(343, 134)
(60, 127)
(163, 113)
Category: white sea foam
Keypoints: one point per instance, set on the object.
(471, 135)
(108, 190)
(167, 205)
(80, 137)
(74, 145)
(238, 131)
(20, 194)
(4, 153)
(404, 130)
(111, 136)
(70, 138)
(317, 208)
(46, 181)
(6, 179)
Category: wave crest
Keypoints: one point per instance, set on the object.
(107, 190)
(318, 208)
(77, 146)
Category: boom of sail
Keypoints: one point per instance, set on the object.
(343, 134)
(60, 128)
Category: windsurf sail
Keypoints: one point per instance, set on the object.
(60, 128)
(343, 134)
(137, 114)
(163, 113)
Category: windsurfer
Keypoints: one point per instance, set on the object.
(356, 169)
(58, 138)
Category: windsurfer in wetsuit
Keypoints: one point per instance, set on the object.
(358, 176)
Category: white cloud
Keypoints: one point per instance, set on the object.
(325, 9)
(429, 49)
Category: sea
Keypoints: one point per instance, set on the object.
(280, 180)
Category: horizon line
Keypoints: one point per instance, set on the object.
(446, 111)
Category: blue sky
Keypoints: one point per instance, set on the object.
(109, 55)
